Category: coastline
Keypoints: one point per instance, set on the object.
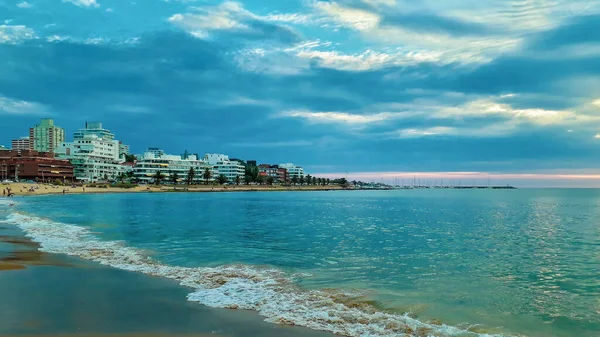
(24, 189)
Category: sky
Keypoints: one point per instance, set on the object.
(375, 89)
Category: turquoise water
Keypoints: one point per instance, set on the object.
(487, 261)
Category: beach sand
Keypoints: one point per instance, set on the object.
(21, 189)
(54, 295)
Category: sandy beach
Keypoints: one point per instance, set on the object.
(21, 189)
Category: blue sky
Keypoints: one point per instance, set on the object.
(501, 86)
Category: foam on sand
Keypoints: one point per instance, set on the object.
(271, 292)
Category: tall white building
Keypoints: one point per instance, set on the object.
(149, 164)
(221, 164)
(94, 154)
(293, 170)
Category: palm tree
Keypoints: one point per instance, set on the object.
(158, 177)
(314, 179)
(206, 175)
(238, 180)
(174, 178)
(191, 176)
(301, 181)
(294, 180)
(328, 181)
(130, 174)
(222, 179)
(308, 179)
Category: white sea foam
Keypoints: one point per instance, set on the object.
(271, 292)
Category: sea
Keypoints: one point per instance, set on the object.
(427, 262)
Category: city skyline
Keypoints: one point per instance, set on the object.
(369, 88)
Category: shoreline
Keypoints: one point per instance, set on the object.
(24, 189)
(96, 300)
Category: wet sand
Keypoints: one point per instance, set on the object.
(53, 295)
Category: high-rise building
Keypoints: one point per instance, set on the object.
(22, 143)
(94, 157)
(46, 137)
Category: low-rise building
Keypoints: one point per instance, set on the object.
(220, 164)
(33, 165)
(22, 143)
(293, 170)
(149, 164)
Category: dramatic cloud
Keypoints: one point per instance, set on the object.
(341, 85)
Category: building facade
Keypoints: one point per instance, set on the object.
(94, 153)
(46, 137)
(220, 164)
(22, 143)
(123, 149)
(33, 165)
(293, 170)
(149, 165)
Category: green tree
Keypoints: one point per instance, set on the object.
(354, 183)
(252, 172)
(328, 181)
(206, 175)
(130, 158)
(260, 180)
(174, 178)
(301, 180)
(248, 179)
(294, 180)
(191, 176)
(238, 180)
(158, 177)
(130, 175)
(270, 180)
(221, 179)
(105, 177)
(314, 180)
(308, 179)
(342, 182)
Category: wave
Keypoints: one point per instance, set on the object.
(271, 292)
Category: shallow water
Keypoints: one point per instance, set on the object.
(490, 261)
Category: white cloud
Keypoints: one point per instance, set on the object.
(459, 49)
(84, 3)
(15, 34)
(349, 17)
(468, 131)
(368, 59)
(339, 117)
(597, 136)
(17, 107)
(204, 19)
(596, 103)
(110, 10)
(289, 18)
(24, 4)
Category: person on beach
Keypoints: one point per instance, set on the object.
(4, 191)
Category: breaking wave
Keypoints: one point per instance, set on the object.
(271, 292)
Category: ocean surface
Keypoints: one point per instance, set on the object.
(359, 263)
